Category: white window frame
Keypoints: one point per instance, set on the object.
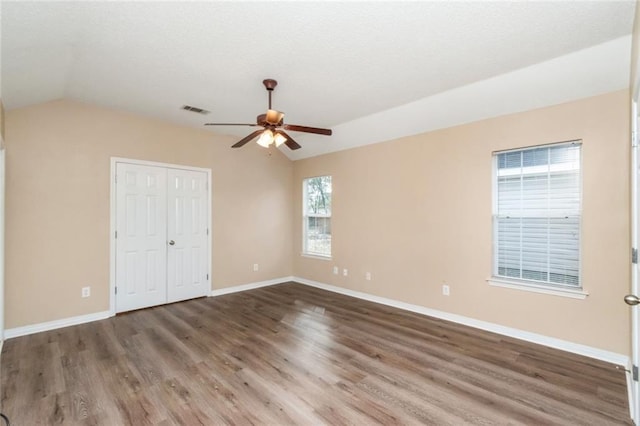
(544, 287)
(305, 216)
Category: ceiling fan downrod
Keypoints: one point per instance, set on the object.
(270, 84)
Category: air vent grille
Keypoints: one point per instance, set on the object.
(195, 109)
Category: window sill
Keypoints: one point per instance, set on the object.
(537, 288)
(315, 256)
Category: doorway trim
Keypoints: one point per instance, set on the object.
(2, 231)
(112, 219)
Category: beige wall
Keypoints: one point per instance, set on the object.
(57, 218)
(416, 213)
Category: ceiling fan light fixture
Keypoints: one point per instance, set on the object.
(279, 139)
(265, 139)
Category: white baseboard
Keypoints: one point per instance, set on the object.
(576, 348)
(603, 355)
(66, 322)
(52, 325)
(250, 286)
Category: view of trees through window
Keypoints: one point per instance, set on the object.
(317, 205)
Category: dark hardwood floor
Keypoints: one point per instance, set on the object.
(292, 354)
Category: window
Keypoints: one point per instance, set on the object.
(317, 216)
(537, 208)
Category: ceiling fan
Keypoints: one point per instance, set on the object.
(273, 127)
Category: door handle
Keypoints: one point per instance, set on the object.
(171, 242)
(631, 299)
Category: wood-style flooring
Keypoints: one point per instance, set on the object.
(292, 354)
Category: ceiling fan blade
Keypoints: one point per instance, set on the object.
(247, 139)
(230, 124)
(290, 142)
(306, 129)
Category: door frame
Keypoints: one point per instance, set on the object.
(632, 383)
(634, 104)
(112, 219)
(3, 180)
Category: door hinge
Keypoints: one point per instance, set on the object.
(116, 178)
(634, 138)
(116, 290)
(207, 231)
(634, 255)
(116, 234)
(207, 277)
(634, 372)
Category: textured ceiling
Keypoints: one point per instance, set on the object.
(337, 62)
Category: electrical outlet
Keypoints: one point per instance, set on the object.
(445, 290)
(345, 272)
(256, 267)
(336, 271)
(86, 291)
(367, 276)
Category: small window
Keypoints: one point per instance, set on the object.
(537, 211)
(317, 216)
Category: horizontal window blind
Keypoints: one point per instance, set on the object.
(537, 217)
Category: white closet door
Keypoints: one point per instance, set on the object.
(187, 235)
(141, 243)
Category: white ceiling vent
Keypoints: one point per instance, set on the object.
(195, 109)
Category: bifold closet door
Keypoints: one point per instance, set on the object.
(162, 235)
(141, 239)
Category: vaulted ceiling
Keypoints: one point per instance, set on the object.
(372, 71)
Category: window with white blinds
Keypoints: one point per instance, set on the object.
(537, 209)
